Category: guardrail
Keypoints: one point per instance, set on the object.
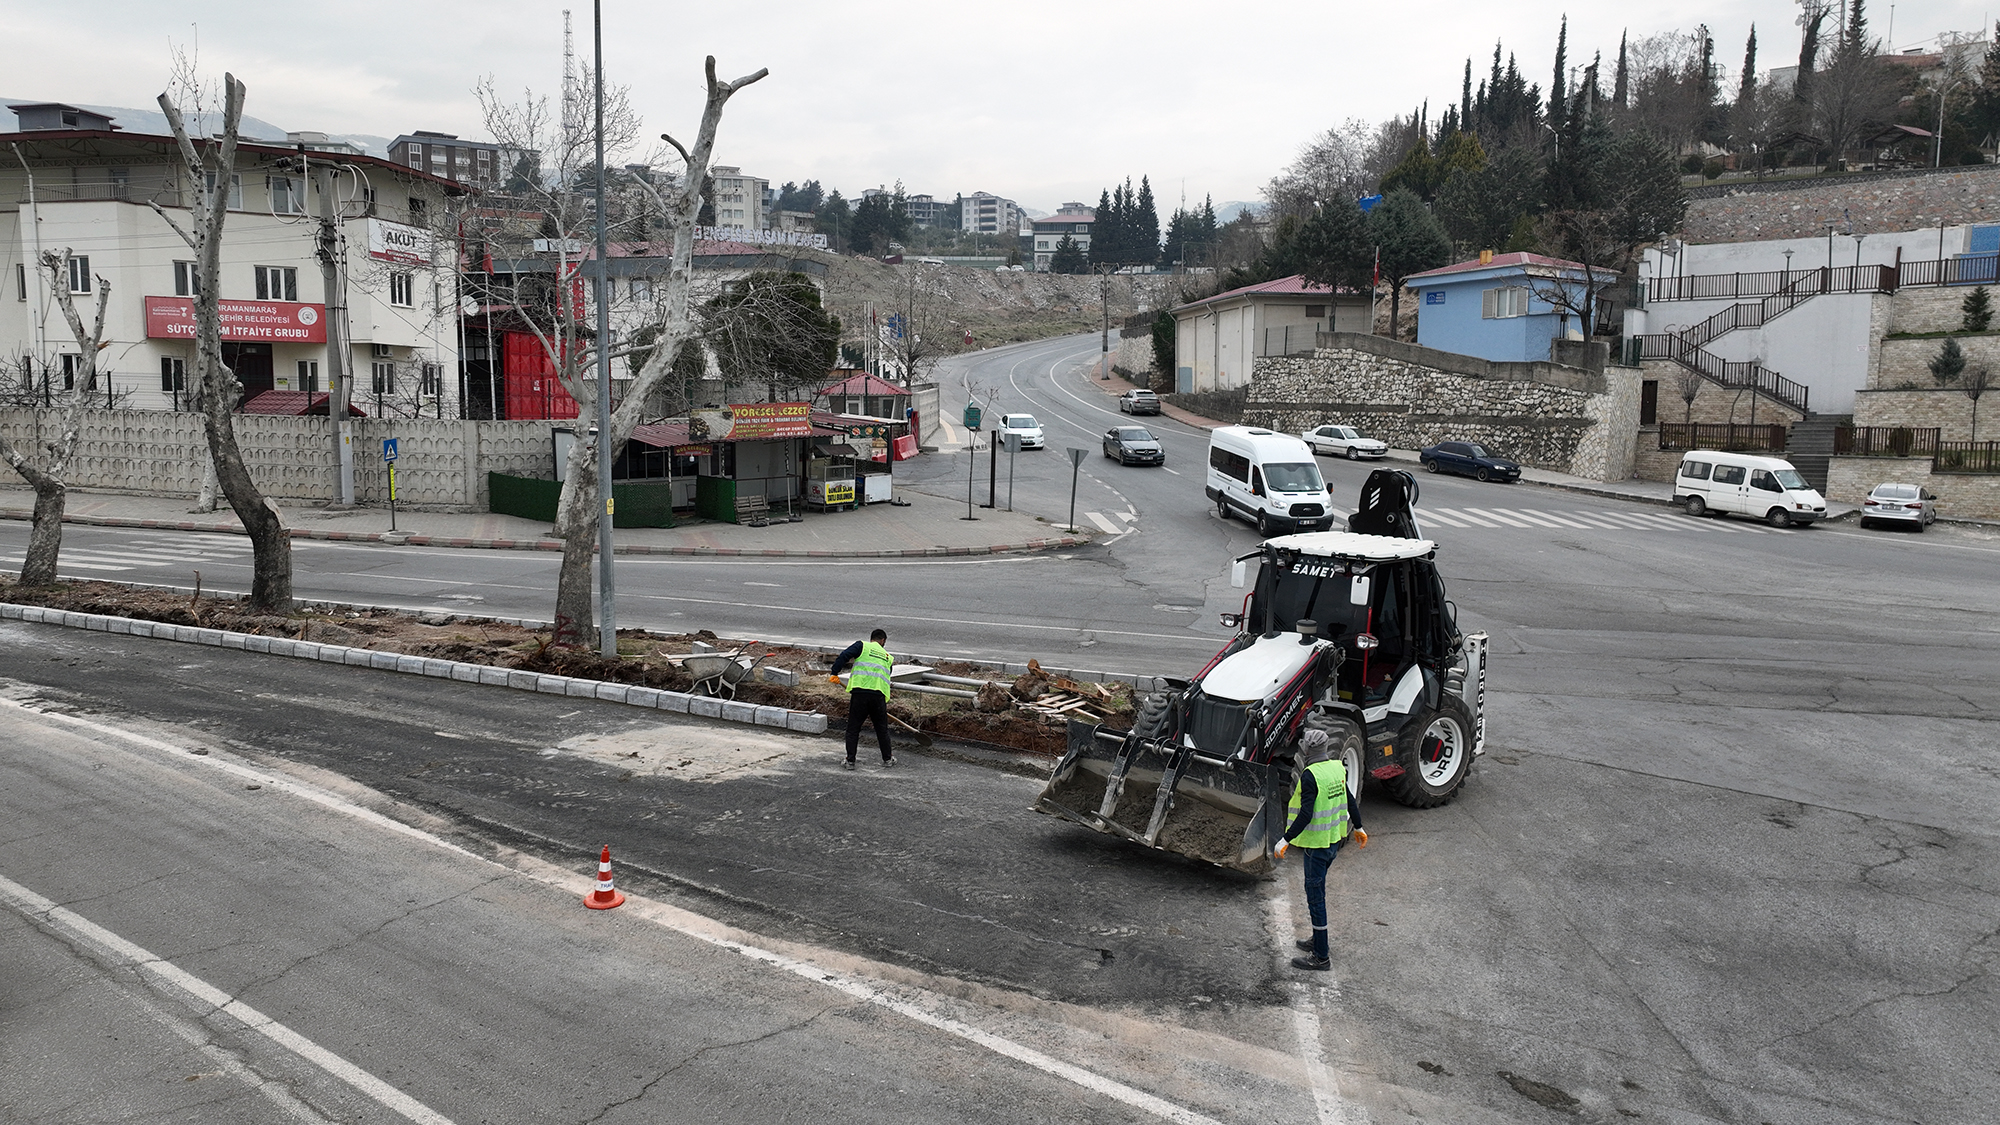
(1726, 437)
(1747, 375)
(1967, 457)
(1886, 441)
(1964, 269)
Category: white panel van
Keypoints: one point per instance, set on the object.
(1268, 478)
(1742, 484)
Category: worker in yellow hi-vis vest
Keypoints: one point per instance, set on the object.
(1323, 811)
(867, 691)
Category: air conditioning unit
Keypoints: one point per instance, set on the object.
(381, 351)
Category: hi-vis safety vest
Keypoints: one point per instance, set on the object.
(1328, 825)
(871, 670)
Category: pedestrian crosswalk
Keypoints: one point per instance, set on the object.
(140, 554)
(1571, 519)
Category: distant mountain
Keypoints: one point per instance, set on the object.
(154, 122)
(1227, 212)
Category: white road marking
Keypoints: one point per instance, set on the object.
(1176, 472)
(681, 921)
(1489, 513)
(1549, 518)
(65, 563)
(1305, 1016)
(1453, 513)
(1098, 519)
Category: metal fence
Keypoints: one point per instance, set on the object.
(1967, 457)
(1728, 437)
(1744, 375)
(1886, 441)
(1965, 269)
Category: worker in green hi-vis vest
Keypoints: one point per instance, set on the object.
(867, 691)
(1323, 811)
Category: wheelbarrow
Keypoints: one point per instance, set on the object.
(719, 674)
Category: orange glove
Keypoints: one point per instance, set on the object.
(1361, 837)
(834, 680)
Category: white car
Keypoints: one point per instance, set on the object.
(1344, 441)
(1023, 424)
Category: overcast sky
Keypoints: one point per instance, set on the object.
(1037, 101)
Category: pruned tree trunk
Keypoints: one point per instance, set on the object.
(578, 510)
(38, 566)
(216, 388)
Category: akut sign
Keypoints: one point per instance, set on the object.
(395, 242)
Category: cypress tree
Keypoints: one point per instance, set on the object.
(1465, 119)
(1558, 109)
(1748, 88)
(1146, 226)
(1621, 87)
(1104, 232)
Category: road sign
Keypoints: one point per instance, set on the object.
(971, 415)
(388, 449)
(1011, 442)
(1076, 457)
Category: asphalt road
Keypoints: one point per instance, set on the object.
(1731, 857)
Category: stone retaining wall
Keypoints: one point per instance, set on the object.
(1541, 414)
(1972, 496)
(1904, 365)
(441, 465)
(1948, 409)
(1871, 204)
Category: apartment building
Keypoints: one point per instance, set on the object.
(445, 156)
(1074, 220)
(739, 200)
(83, 189)
(924, 211)
(986, 213)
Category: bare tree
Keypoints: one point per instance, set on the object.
(1688, 382)
(1855, 96)
(578, 510)
(920, 328)
(1333, 165)
(216, 389)
(1976, 382)
(38, 566)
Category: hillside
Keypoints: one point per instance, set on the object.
(996, 307)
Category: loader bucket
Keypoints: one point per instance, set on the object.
(1229, 813)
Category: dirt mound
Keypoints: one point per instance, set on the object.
(644, 659)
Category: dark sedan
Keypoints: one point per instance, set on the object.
(1133, 445)
(1468, 458)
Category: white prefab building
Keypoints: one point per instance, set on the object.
(1216, 339)
(89, 194)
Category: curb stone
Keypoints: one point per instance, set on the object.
(779, 718)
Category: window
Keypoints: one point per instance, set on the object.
(642, 289)
(21, 281)
(173, 373)
(419, 214)
(1229, 464)
(385, 378)
(1315, 312)
(1729, 474)
(368, 199)
(187, 283)
(1695, 470)
(432, 382)
(288, 196)
(308, 380)
(1762, 479)
(235, 190)
(71, 364)
(79, 275)
(1506, 301)
(416, 156)
(400, 290)
(277, 283)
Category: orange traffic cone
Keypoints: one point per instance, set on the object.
(605, 896)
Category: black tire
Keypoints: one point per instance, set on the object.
(1150, 714)
(1777, 517)
(1222, 506)
(1263, 526)
(1921, 525)
(1433, 774)
(1696, 506)
(1352, 455)
(1430, 466)
(1484, 473)
(1349, 746)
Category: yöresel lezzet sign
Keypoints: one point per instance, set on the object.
(291, 322)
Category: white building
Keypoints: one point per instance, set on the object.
(87, 193)
(739, 200)
(986, 213)
(1072, 221)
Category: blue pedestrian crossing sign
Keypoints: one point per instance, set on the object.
(388, 449)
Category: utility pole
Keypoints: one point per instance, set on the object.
(332, 255)
(606, 588)
(1104, 340)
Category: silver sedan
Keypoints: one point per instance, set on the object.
(1900, 503)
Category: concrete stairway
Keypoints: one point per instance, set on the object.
(1809, 446)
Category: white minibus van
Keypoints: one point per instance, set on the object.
(1743, 484)
(1268, 478)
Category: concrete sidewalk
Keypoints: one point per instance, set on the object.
(927, 526)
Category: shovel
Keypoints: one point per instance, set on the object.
(923, 740)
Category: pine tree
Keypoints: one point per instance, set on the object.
(1145, 226)
(1854, 43)
(1558, 107)
(1105, 231)
(1068, 258)
(1948, 363)
(1976, 311)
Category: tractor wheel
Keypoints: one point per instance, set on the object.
(1346, 741)
(1696, 506)
(1435, 752)
(1149, 718)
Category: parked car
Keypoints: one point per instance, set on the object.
(1139, 402)
(1134, 445)
(1746, 484)
(1023, 424)
(1900, 503)
(1470, 459)
(1344, 441)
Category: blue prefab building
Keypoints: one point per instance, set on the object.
(1497, 309)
